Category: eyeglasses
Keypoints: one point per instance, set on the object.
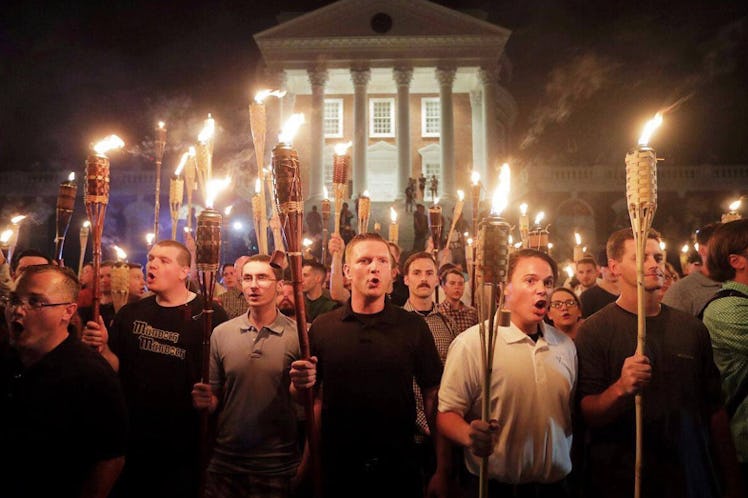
(28, 303)
(262, 280)
(559, 304)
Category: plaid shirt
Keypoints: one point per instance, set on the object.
(463, 316)
(444, 330)
(234, 302)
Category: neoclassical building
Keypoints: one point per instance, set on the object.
(415, 86)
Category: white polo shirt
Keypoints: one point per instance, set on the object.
(531, 396)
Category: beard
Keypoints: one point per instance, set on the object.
(287, 308)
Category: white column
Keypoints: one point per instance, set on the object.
(317, 78)
(360, 78)
(446, 77)
(479, 146)
(403, 77)
(489, 77)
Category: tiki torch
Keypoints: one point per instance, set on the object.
(325, 224)
(120, 279)
(578, 251)
(641, 198)
(204, 154)
(394, 226)
(436, 226)
(290, 206)
(524, 225)
(5, 244)
(537, 238)
(456, 213)
(733, 213)
(340, 163)
(65, 206)
(258, 126)
(364, 212)
(492, 255)
(207, 259)
(85, 229)
(176, 194)
(16, 222)
(96, 200)
(190, 179)
(160, 147)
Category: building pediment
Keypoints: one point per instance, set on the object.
(381, 31)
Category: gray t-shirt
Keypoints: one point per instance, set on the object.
(691, 293)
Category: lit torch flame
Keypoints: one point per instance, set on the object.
(393, 215)
(107, 144)
(569, 270)
(650, 128)
(182, 162)
(258, 185)
(71, 176)
(86, 224)
(539, 217)
(6, 235)
(150, 236)
(121, 254)
(342, 148)
(306, 242)
(161, 125)
(215, 186)
(290, 128)
(734, 206)
(460, 195)
(263, 94)
(475, 178)
(366, 194)
(578, 238)
(501, 194)
(327, 196)
(227, 211)
(209, 129)
(18, 219)
(685, 248)
(523, 208)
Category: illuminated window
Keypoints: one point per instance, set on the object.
(430, 116)
(333, 118)
(381, 117)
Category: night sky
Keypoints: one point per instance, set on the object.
(586, 76)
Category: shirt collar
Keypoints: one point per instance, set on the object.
(513, 334)
(276, 327)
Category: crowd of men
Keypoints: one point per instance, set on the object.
(117, 406)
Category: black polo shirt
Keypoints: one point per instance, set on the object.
(366, 366)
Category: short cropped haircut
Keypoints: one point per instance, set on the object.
(225, 265)
(587, 260)
(704, 234)
(518, 256)
(184, 257)
(135, 266)
(729, 238)
(27, 253)
(70, 284)
(108, 263)
(316, 267)
(416, 256)
(449, 271)
(366, 237)
(264, 258)
(617, 240)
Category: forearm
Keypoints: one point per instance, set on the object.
(102, 477)
(110, 357)
(601, 409)
(453, 426)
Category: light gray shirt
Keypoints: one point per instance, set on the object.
(691, 293)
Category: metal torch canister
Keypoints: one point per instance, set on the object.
(65, 206)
